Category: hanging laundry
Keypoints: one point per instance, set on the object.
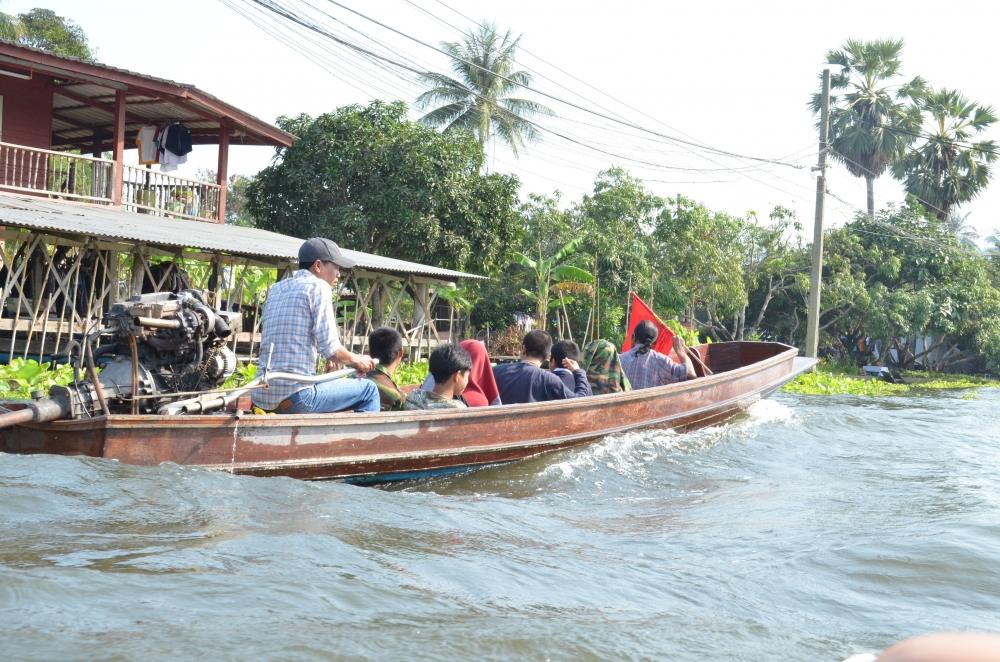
(179, 139)
(171, 137)
(145, 141)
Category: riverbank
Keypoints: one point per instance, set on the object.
(838, 379)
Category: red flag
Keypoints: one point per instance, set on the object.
(640, 311)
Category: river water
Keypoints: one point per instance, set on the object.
(813, 528)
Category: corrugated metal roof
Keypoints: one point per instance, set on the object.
(118, 225)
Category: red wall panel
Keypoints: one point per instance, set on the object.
(27, 120)
(27, 111)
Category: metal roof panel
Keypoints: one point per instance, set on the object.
(119, 225)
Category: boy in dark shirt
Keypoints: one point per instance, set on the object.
(561, 350)
(386, 345)
(525, 381)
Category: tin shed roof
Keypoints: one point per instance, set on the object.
(172, 233)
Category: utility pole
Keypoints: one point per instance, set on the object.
(816, 272)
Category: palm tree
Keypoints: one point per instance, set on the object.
(948, 168)
(479, 99)
(958, 224)
(870, 126)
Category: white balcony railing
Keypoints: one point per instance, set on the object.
(89, 179)
(72, 176)
(148, 191)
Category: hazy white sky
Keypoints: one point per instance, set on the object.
(733, 75)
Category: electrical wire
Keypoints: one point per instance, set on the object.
(397, 67)
(556, 98)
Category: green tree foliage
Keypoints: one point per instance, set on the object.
(725, 272)
(236, 201)
(44, 29)
(547, 270)
(481, 97)
(948, 167)
(374, 181)
(919, 282)
(10, 28)
(617, 219)
(870, 124)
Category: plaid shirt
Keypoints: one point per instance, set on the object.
(299, 320)
(651, 369)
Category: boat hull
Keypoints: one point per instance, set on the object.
(389, 446)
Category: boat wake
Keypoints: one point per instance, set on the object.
(632, 454)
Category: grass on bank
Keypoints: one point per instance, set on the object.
(839, 379)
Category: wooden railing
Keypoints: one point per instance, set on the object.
(90, 179)
(72, 176)
(149, 191)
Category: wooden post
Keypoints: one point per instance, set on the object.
(95, 168)
(816, 271)
(214, 281)
(116, 191)
(138, 271)
(222, 172)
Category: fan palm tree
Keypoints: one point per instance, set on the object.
(870, 125)
(948, 169)
(479, 98)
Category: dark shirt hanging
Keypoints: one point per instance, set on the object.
(178, 139)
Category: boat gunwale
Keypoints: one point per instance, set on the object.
(127, 421)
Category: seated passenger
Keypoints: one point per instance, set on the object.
(604, 369)
(645, 367)
(450, 365)
(482, 388)
(386, 345)
(566, 349)
(525, 381)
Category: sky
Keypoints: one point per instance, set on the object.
(731, 75)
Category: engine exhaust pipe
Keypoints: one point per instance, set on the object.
(35, 411)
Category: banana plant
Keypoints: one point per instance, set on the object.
(458, 298)
(549, 270)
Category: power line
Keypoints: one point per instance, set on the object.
(556, 98)
(397, 67)
(287, 14)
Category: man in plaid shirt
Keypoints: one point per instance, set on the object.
(299, 321)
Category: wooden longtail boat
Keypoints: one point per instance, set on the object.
(393, 446)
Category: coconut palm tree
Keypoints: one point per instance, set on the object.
(480, 97)
(958, 224)
(948, 169)
(870, 124)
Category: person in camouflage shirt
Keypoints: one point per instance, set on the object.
(386, 345)
(604, 369)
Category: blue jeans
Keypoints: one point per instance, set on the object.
(336, 395)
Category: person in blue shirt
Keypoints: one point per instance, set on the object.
(525, 381)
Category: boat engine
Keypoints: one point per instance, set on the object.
(154, 349)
